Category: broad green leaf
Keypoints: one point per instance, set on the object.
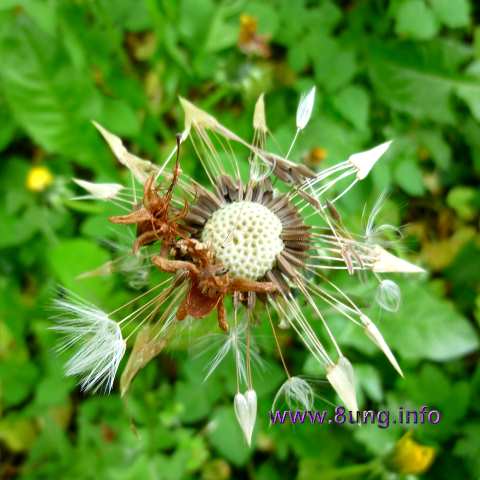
(432, 387)
(461, 199)
(47, 97)
(329, 55)
(223, 31)
(420, 79)
(469, 92)
(20, 227)
(428, 327)
(369, 380)
(197, 407)
(415, 19)
(353, 103)
(226, 436)
(17, 381)
(409, 176)
(265, 14)
(452, 13)
(437, 147)
(468, 447)
(71, 258)
(8, 125)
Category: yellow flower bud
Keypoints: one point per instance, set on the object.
(38, 179)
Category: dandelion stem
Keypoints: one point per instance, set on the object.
(249, 367)
(292, 144)
(279, 349)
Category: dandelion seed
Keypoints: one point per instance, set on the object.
(385, 262)
(245, 406)
(234, 342)
(364, 161)
(374, 333)
(297, 392)
(305, 108)
(388, 295)
(101, 191)
(140, 168)
(259, 120)
(97, 343)
(304, 112)
(341, 377)
(375, 234)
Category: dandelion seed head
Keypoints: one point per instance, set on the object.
(245, 237)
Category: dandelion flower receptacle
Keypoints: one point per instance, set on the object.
(264, 242)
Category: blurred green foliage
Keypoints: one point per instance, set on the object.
(404, 69)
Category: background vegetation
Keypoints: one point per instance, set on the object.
(404, 69)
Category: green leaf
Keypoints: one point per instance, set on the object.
(452, 13)
(461, 199)
(329, 55)
(19, 228)
(70, 258)
(226, 436)
(433, 388)
(409, 176)
(428, 327)
(8, 125)
(49, 99)
(420, 79)
(437, 146)
(17, 381)
(414, 19)
(353, 104)
(470, 94)
(468, 446)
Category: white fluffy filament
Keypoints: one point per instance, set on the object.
(97, 341)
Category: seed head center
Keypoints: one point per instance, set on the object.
(245, 238)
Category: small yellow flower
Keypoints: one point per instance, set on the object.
(38, 179)
(409, 457)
